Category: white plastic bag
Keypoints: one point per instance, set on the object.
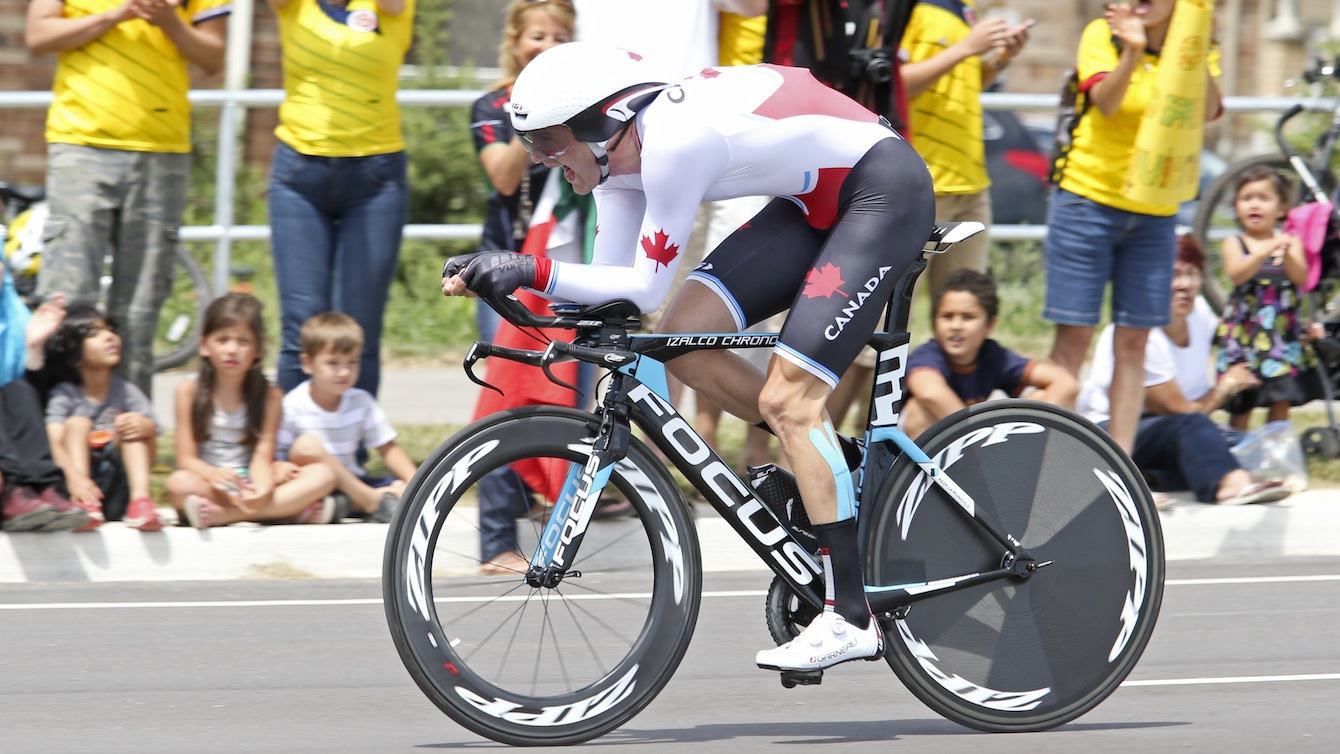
(1273, 452)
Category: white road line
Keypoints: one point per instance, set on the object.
(1252, 580)
(1236, 679)
(569, 595)
(338, 602)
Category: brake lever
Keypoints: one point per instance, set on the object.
(550, 356)
(469, 365)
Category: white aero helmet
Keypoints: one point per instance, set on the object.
(592, 89)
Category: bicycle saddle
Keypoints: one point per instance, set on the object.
(945, 235)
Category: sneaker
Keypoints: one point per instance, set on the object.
(829, 640)
(386, 508)
(69, 517)
(143, 515)
(320, 512)
(95, 517)
(24, 510)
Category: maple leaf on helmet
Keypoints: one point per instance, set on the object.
(824, 281)
(660, 250)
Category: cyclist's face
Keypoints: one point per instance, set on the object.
(961, 326)
(331, 371)
(556, 146)
(1259, 207)
(1185, 285)
(231, 349)
(101, 347)
(539, 32)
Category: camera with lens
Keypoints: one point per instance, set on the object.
(872, 64)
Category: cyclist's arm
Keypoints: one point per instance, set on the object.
(931, 390)
(674, 179)
(202, 44)
(48, 30)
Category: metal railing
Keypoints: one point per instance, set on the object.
(232, 103)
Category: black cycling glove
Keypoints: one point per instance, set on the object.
(492, 273)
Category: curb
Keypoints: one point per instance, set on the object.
(1307, 524)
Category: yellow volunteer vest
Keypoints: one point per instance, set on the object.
(340, 77)
(127, 88)
(946, 119)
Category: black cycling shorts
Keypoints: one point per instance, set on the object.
(836, 282)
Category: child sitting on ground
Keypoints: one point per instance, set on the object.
(1261, 326)
(227, 418)
(100, 425)
(31, 498)
(326, 418)
(963, 366)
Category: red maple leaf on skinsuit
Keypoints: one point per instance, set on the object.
(824, 281)
(660, 250)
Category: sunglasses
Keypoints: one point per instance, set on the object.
(547, 143)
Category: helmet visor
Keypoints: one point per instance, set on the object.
(548, 143)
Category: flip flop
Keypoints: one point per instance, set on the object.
(1266, 491)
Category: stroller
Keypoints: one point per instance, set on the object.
(1317, 223)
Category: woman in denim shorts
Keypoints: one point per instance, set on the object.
(1096, 232)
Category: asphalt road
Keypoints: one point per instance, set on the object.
(1244, 660)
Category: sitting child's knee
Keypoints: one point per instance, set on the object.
(306, 449)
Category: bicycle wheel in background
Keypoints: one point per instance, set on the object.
(183, 313)
(531, 666)
(1215, 212)
(1029, 654)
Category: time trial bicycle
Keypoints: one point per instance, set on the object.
(1013, 554)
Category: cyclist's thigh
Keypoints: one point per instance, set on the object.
(757, 270)
(886, 211)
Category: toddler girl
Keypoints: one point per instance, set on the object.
(227, 419)
(1260, 326)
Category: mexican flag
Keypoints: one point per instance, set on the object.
(559, 230)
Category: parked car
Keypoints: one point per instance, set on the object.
(1018, 159)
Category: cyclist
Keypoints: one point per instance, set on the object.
(854, 206)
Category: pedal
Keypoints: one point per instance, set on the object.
(794, 678)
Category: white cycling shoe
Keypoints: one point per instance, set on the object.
(829, 640)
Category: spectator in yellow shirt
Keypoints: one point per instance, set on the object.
(118, 160)
(950, 57)
(339, 188)
(1096, 231)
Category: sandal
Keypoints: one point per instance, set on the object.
(1266, 491)
(506, 563)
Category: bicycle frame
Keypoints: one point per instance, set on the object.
(638, 394)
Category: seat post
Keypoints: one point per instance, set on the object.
(899, 310)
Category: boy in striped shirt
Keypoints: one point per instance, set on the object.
(326, 418)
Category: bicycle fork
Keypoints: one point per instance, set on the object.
(562, 535)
